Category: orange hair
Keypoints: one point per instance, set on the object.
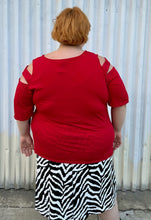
(71, 27)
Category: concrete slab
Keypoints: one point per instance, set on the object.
(135, 215)
(31, 214)
(25, 214)
(19, 204)
(17, 198)
(19, 214)
(134, 200)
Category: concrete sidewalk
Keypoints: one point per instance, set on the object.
(19, 204)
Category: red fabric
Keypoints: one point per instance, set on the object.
(23, 102)
(71, 122)
(116, 89)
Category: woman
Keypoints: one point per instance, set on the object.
(74, 138)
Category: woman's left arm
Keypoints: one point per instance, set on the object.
(26, 141)
(23, 109)
(24, 127)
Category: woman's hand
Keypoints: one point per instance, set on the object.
(26, 145)
(117, 140)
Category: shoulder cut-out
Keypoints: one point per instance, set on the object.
(30, 68)
(102, 60)
(22, 79)
(110, 68)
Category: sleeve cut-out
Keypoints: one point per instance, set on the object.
(106, 65)
(27, 75)
(117, 92)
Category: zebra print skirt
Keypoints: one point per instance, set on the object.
(74, 191)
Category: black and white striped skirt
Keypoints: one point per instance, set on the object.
(74, 191)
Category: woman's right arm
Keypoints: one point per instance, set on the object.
(118, 98)
(118, 117)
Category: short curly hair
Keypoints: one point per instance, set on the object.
(71, 27)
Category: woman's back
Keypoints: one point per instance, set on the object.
(71, 114)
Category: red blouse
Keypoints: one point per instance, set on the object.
(70, 123)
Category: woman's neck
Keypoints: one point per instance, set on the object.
(70, 48)
(65, 51)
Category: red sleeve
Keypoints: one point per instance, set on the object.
(117, 92)
(23, 102)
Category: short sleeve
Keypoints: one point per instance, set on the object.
(23, 102)
(118, 95)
